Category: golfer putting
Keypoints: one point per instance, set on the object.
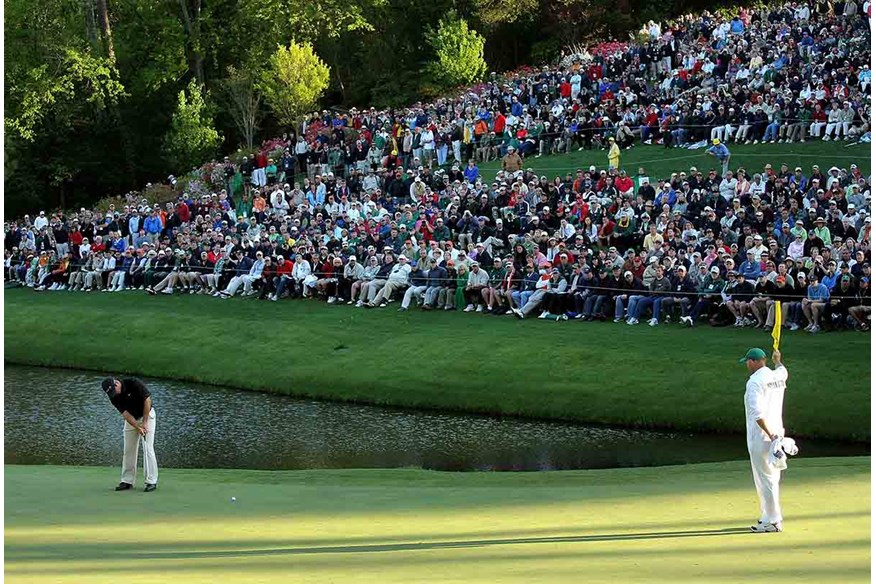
(131, 398)
(764, 395)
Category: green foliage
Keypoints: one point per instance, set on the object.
(191, 138)
(293, 81)
(459, 52)
(79, 79)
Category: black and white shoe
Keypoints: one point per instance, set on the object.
(124, 486)
(762, 527)
(150, 487)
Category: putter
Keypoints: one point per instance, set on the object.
(143, 443)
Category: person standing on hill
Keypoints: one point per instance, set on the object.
(722, 153)
(131, 398)
(764, 395)
(613, 154)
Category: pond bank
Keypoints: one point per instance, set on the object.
(664, 377)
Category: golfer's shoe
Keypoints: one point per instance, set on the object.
(124, 486)
(762, 527)
(150, 487)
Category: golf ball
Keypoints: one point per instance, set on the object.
(233, 499)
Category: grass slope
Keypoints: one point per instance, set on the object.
(667, 376)
(672, 524)
(661, 163)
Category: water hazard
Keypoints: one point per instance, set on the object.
(62, 417)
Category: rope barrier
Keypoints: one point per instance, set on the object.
(597, 290)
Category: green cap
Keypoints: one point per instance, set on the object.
(753, 354)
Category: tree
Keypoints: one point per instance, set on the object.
(459, 52)
(293, 81)
(191, 139)
(242, 102)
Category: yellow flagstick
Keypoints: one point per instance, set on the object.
(777, 327)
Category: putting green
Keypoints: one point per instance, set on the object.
(678, 524)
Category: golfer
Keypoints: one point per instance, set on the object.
(764, 394)
(134, 402)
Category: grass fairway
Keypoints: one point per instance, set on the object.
(667, 376)
(660, 162)
(670, 524)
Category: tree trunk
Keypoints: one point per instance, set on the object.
(108, 50)
(91, 25)
(191, 13)
(106, 32)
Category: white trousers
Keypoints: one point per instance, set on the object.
(118, 279)
(414, 292)
(766, 481)
(234, 284)
(132, 451)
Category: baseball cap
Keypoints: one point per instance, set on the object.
(108, 386)
(715, 270)
(753, 354)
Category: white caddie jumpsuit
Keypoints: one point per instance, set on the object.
(764, 395)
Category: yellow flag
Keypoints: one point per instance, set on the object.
(777, 327)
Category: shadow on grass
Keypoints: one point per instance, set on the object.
(80, 552)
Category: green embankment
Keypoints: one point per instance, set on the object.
(667, 376)
(670, 524)
(661, 163)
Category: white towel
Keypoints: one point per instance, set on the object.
(779, 448)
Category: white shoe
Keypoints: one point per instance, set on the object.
(517, 312)
(479, 308)
(544, 314)
(349, 302)
(53, 286)
(272, 298)
(687, 320)
(653, 322)
(633, 321)
(359, 304)
(331, 300)
(762, 527)
(167, 291)
(469, 308)
(617, 320)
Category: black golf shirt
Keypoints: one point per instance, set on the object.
(132, 398)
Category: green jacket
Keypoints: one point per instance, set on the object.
(496, 275)
(712, 286)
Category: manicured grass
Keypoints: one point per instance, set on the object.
(670, 524)
(667, 376)
(661, 163)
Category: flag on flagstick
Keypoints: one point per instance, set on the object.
(777, 327)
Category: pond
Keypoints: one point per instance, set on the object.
(62, 417)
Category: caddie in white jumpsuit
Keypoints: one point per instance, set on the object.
(764, 395)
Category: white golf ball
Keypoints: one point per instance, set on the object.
(233, 499)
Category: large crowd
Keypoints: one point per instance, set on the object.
(373, 207)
